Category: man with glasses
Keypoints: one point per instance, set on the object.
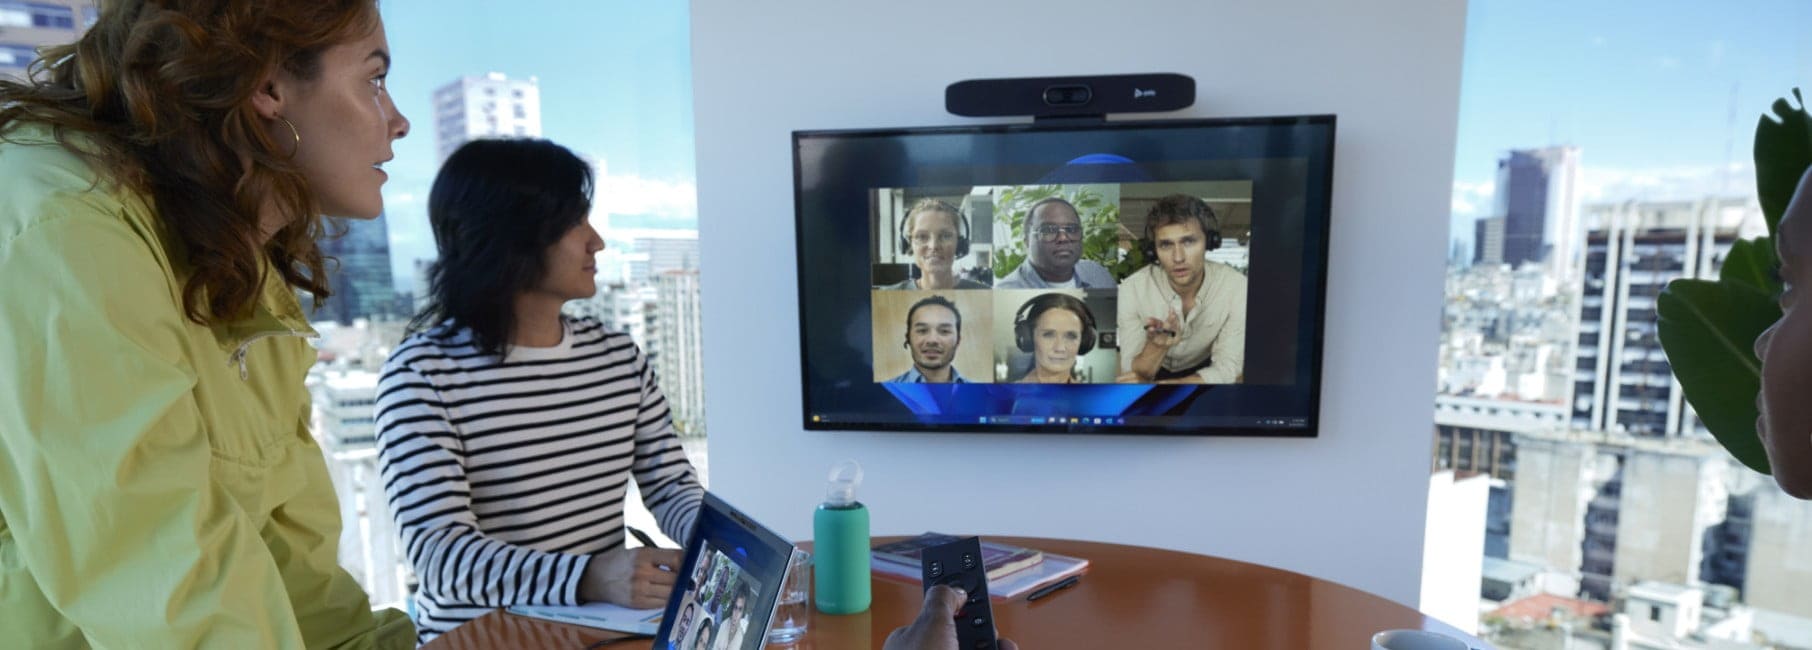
(1054, 252)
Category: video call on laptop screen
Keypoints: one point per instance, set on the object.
(1163, 277)
(729, 583)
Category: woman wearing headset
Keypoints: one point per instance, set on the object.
(936, 234)
(1057, 329)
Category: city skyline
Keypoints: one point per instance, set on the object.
(1661, 98)
(617, 87)
(615, 83)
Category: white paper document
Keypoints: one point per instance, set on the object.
(599, 615)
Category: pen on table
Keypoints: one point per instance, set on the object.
(1053, 588)
(646, 541)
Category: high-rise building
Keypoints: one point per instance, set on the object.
(1672, 495)
(423, 284)
(491, 105)
(347, 400)
(1538, 198)
(359, 276)
(345, 417)
(1477, 435)
(1548, 513)
(678, 344)
(1488, 241)
(675, 253)
(620, 308)
(1617, 509)
(1622, 380)
(27, 26)
(1779, 550)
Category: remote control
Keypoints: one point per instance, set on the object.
(959, 564)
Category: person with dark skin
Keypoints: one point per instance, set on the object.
(1054, 252)
(935, 628)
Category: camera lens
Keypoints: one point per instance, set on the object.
(1067, 95)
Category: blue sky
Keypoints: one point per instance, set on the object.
(1645, 89)
(615, 80)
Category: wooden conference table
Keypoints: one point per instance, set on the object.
(1132, 597)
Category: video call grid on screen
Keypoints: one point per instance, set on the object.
(957, 224)
(719, 611)
(729, 586)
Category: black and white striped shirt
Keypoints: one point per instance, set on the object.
(504, 478)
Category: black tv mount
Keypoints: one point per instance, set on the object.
(1070, 100)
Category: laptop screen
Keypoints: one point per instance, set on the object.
(728, 583)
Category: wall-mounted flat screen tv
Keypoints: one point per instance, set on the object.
(1156, 277)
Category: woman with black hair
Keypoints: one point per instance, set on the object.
(507, 432)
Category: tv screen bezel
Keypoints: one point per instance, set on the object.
(1323, 209)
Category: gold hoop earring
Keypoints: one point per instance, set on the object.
(293, 132)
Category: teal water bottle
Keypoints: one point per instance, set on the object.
(840, 545)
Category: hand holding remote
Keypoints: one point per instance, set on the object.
(958, 564)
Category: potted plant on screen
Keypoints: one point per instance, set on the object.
(1708, 327)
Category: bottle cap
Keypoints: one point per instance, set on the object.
(844, 478)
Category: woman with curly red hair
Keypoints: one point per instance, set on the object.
(162, 184)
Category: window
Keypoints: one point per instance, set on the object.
(14, 15)
(16, 56)
(1588, 344)
(650, 44)
(32, 14)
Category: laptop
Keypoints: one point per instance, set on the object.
(729, 583)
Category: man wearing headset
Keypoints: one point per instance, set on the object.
(934, 330)
(1182, 319)
(1054, 252)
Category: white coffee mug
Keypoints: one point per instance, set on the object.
(1415, 640)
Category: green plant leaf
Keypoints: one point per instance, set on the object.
(1005, 262)
(1132, 262)
(1783, 151)
(1752, 263)
(1708, 330)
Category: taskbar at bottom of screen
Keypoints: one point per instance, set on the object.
(1251, 422)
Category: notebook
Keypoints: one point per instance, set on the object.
(1001, 560)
